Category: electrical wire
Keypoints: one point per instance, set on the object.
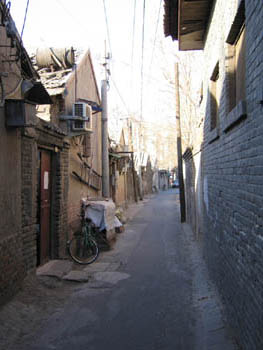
(133, 31)
(155, 36)
(22, 32)
(107, 26)
(142, 75)
(120, 96)
(76, 20)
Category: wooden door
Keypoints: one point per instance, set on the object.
(44, 205)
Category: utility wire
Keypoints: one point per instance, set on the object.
(75, 19)
(120, 96)
(107, 26)
(133, 31)
(155, 36)
(133, 39)
(143, 25)
(22, 32)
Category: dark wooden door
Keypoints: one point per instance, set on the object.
(45, 204)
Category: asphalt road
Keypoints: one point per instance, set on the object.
(155, 293)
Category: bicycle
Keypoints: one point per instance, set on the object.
(83, 247)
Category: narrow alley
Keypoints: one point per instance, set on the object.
(131, 131)
(151, 291)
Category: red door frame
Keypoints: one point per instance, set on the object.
(45, 206)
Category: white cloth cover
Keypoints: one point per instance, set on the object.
(101, 213)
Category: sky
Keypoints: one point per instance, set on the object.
(82, 24)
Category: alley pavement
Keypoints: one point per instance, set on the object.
(150, 291)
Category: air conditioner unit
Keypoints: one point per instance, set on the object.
(82, 117)
(19, 113)
(79, 109)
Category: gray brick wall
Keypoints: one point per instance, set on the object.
(232, 168)
(29, 201)
(59, 220)
(12, 270)
(60, 187)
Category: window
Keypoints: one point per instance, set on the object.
(236, 60)
(240, 66)
(214, 97)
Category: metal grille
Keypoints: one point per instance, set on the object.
(79, 110)
(78, 124)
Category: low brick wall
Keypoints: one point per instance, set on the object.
(11, 267)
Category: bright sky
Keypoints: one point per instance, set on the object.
(81, 23)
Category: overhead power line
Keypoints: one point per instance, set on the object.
(22, 32)
(107, 26)
(155, 36)
(133, 31)
(143, 26)
(120, 96)
(77, 20)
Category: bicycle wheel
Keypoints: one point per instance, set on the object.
(83, 253)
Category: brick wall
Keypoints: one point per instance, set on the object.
(60, 202)
(29, 201)
(12, 269)
(232, 173)
(60, 187)
(31, 141)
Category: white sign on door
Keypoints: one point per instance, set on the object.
(46, 178)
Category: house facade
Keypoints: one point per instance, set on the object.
(73, 86)
(123, 176)
(20, 92)
(224, 164)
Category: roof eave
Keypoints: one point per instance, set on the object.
(188, 23)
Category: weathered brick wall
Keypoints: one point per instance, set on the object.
(120, 190)
(60, 198)
(77, 188)
(29, 200)
(86, 90)
(130, 186)
(232, 170)
(190, 175)
(12, 269)
(147, 178)
(60, 187)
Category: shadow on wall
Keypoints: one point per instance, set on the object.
(224, 183)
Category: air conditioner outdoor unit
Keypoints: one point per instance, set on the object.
(19, 113)
(82, 117)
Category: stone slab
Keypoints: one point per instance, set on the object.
(55, 268)
(76, 276)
